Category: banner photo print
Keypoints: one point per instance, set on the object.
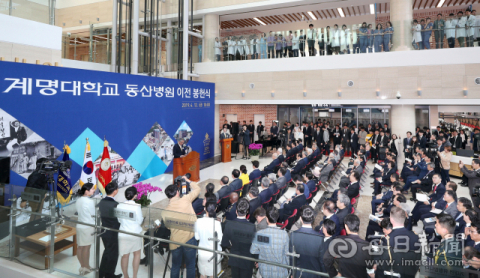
(43, 107)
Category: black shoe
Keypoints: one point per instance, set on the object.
(413, 200)
(464, 184)
(117, 276)
(144, 261)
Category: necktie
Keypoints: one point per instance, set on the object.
(434, 188)
(446, 206)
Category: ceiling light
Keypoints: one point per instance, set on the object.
(383, 97)
(372, 8)
(259, 21)
(440, 4)
(340, 11)
(312, 15)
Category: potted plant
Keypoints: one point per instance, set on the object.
(143, 193)
(254, 151)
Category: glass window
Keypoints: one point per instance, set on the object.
(422, 117)
(294, 115)
(349, 116)
(387, 117)
(307, 114)
(378, 116)
(282, 115)
(363, 116)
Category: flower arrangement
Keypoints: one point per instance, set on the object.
(143, 193)
(255, 149)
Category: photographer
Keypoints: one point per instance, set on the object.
(445, 158)
(36, 184)
(473, 180)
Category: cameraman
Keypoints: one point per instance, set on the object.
(445, 158)
(473, 180)
(36, 184)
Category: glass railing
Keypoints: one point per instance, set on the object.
(94, 236)
(32, 10)
(347, 39)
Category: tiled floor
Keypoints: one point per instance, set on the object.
(66, 262)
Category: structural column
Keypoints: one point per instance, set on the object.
(402, 120)
(210, 32)
(401, 16)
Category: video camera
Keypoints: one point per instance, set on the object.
(182, 184)
(50, 166)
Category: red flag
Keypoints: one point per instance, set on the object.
(105, 171)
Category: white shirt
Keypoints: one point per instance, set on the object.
(295, 42)
(204, 231)
(311, 34)
(86, 211)
(471, 20)
(461, 26)
(417, 33)
(231, 47)
(335, 38)
(450, 28)
(218, 46)
(133, 225)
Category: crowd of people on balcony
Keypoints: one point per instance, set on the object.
(463, 27)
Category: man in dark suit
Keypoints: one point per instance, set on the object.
(239, 243)
(178, 149)
(375, 145)
(328, 210)
(384, 199)
(292, 204)
(354, 265)
(337, 136)
(473, 179)
(251, 130)
(346, 139)
(385, 178)
(255, 201)
(237, 183)
(256, 173)
(300, 164)
(353, 141)
(267, 192)
(106, 206)
(343, 205)
(245, 136)
(456, 141)
(260, 129)
(446, 254)
(402, 244)
(274, 129)
(270, 168)
(308, 135)
(224, 190)
(464, 204)
(329, 230)
(231, 211)
(425, 183)
(422, 140)
(435, 200)
(291, 151)
(307, 243)
(407, 148)
(222, 193)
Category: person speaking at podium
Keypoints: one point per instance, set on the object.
(179, 149)
(225, 133)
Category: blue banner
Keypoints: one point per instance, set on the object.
(142, 117)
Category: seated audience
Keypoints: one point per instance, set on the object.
(292, 204)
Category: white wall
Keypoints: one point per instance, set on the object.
(26, 32)
(352, 61)
(61, 4)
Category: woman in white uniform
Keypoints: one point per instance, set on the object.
(298, 134)
(417, 35)
(218, 49)
(204, 233)
(231, 48)
(126, 243)
(336, 40)
(85, 207)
